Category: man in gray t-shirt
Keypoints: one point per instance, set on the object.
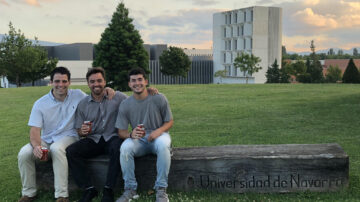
(150, 118)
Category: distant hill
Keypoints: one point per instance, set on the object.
(349, 51)
(42, 43)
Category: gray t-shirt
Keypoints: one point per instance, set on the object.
(153, 112)
(101, 114)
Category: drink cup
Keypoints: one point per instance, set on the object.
(142, 128)
(89, 124)
(45, 152)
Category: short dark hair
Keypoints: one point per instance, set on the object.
(95, 70)
(136, 71)
(60, 70)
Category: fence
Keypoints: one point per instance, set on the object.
(201, 72)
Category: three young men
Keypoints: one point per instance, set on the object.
(52, 125)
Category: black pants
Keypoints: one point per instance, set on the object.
(86, 148)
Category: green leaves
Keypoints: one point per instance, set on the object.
(247, 63)
(175, 62)
(120, 49)
(21, 60)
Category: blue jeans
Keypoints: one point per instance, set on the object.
(131, 148)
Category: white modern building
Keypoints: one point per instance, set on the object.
(256, 30)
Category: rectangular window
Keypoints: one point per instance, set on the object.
(232, 30)
(238, 31)
(230, 18)
(229, 46)
(231, 57)
(251, 43)
(235, 71)
(225, 19)
(235, 17)
(244, 16)
(228, 70)
(244, 44)
(235, 44)
(242, 30)
(224, 57)
(225, 32)
(252, 16)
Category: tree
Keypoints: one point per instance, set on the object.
(285, 74)
(120, 49)
(331, 51)
(314, 68)
(37, 60)
(221, 74)
(351, 74)
(248, 63)
(355, 52)
(340, 52)
(283, 50)
(175, 62)
(273, 73)
(21, 61)
(333, 74)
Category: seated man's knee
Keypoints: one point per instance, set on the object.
(57, 149)
(26, 152)
(162, 145)
(126, 147)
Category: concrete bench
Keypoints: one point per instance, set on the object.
(236, 168)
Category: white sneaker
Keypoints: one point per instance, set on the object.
(128, 195)
(161, 195)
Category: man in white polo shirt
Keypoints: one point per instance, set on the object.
(52, 126)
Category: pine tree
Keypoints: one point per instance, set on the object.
(273, 73)
(351, 74)
(120, 49)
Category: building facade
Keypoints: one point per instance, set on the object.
(255, 30)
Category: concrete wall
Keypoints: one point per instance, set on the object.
(78, 70)
(254, 30)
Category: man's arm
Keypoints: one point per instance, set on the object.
(164, 128)
(35, 141)
(123, 134)
(135, 134)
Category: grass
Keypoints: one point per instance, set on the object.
(207, 115)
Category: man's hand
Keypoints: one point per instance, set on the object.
(37, 152)
(137, 133)
(109, 93)
(154, 135)
(84, 130)
(152, 91)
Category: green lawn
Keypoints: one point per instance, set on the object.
(208, 115)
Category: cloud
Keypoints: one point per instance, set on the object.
(195, 37)
(4, 2)
(36, 2)
(99, 21)
(200, 19)
(308, 17)
(204, 2)
(331, 23)
(311, 2)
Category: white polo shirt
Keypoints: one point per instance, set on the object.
(56, 118)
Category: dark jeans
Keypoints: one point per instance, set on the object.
(86, 148)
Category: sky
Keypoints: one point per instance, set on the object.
(182, 23)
